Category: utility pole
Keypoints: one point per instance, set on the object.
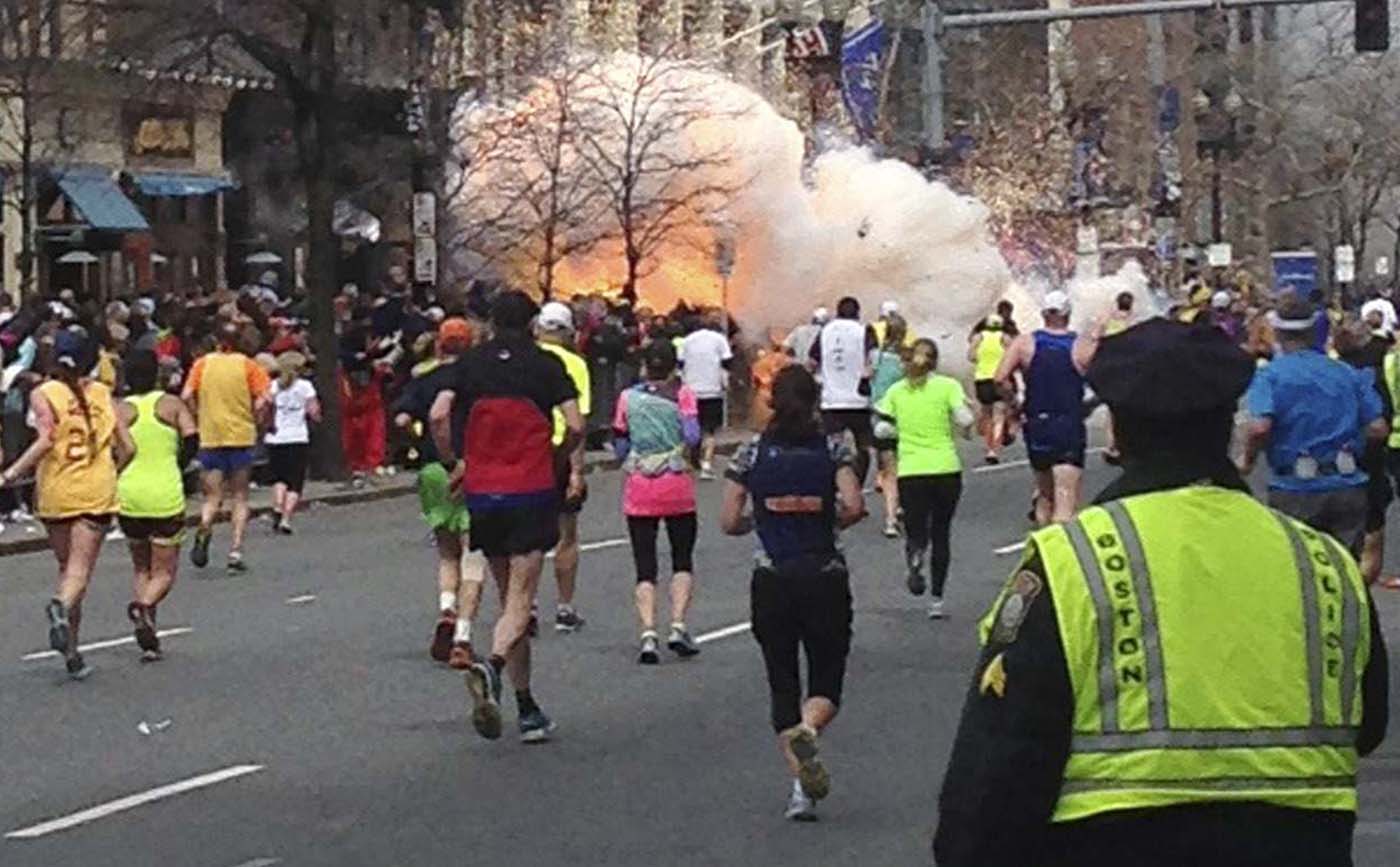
(934, 59)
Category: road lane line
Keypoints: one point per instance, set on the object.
(1014, 548)
(104, 645)
(1008, 465)
(595, 546)
(130, 802)
(260, 862)
(723, 633)
(302, 600)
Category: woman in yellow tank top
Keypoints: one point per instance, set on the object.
(986, 350)
(152, 493)
(80, 448)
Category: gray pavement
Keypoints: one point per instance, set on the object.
(365, 754)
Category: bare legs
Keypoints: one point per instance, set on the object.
(1057, 494)
(75, 544)
(517, 580)
(682, 591)
(817, 714)
(566, 559)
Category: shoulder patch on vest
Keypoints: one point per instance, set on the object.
(1025, 587)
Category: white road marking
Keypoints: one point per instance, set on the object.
(130, 802)
(302, 600)
(1014, 548)
(104, 645)
(723, 633)
(260, 862)
(1007, 465)
(596, 546)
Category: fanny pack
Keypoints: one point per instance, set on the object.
(657, 464)
(1308, 467)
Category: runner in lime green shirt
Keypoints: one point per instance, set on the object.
(924, 410)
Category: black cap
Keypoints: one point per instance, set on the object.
(1165, 368)
(513, 310)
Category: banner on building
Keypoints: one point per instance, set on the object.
(862, 67)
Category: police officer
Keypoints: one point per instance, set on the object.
(1179, 675)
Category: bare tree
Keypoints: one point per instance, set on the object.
(643, 139)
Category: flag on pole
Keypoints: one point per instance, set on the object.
(862, 67)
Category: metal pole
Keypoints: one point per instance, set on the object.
(1123, 10)
(933, 75)
(1217, 206)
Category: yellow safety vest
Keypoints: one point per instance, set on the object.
(1392, 385)
(1215, 650)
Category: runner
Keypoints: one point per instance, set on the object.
(887, 368)
(1365, 345)
(804, 490)
(228, 393)
(655, 425)
(921, 411)
(506, 389)
(1053, 360)
(460, 573)
(151, 492)
(840, 353)
(295, 407)
(799, 341)
(705, 357)
(555, 331)
(80, 446)
(1118, 320)
(986, 351)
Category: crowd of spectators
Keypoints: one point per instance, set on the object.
(382, 331)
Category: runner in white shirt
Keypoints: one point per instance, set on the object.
(799, 341)
(841, 354)
(705, 357)
(288, 442)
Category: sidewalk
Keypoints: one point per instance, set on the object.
(28, 536)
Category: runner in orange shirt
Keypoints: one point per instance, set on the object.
(228, 393)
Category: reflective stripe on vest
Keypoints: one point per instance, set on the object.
(1142, 739)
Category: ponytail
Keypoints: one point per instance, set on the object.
(70, 377)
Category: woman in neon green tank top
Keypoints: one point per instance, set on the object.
(986, 351)
(152, 493)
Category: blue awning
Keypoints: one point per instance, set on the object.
(180, 183)
(100, 201)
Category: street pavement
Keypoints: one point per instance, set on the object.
(307, 726)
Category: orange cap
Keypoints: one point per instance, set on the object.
(455, 333)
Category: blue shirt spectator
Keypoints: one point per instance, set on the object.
(1319, 408)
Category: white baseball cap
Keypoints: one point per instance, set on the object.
(1055, 302)
(888, 308)
(555, 316)
(1221, 300)
(821, 315)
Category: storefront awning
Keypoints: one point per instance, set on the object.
(180, 183)
(100, 201)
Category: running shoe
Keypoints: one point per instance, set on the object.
(460, 658)
(800, 808)
(484, 684)
(58, 625)
(78, 669)
(146, 638)
(535, 727)
(568, 620)
(915, 581)
(236, 566)
(891, 529)
(993, 459)
(812, 775)
(682, 644)
(707, 473)
(935, 608)
(649, 654)
(199, 552)
(441, 648)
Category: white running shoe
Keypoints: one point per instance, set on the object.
(800, 808)
(935, 608)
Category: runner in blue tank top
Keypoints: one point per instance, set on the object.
(1052, 361)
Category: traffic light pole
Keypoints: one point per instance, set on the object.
(936, 24)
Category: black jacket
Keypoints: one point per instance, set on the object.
(1010, 752)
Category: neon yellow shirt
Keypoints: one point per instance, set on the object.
(923, 415)
(577, 369)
